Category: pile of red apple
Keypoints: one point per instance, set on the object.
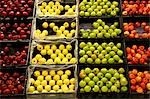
(16, 8)
(140, 81)
(138, 54)
(11, 83)
(10, 56)
(136, 7)
(15, 31)
(130, 30)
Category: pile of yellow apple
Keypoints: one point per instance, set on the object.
(51, 81)
(62, 31)
(53, 54)
(55, 8)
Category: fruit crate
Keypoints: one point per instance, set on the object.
(102, 15)
(60, 14)
(23, 75)
(71, 30)
(32, 72)
(110, 24)
(139, 30)
(15, 30)
(18, 51)
(102, 94)
(50, 59)
(24, 9)
(139, 69)
(115, 41)
(142, 42)
(135, 8)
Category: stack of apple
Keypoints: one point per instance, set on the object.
(16, 8)
(53, 54)
(15, 30)
(67, 30)
(12, 82)
(55, 8)
(131, 30)
(136, 7)
(101, 30)
(102, 80)
(140, 81)
(11, 56)
(138, 54)
(98, 8)
(95, 53)
(52, 81)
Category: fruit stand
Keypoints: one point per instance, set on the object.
(74, 49)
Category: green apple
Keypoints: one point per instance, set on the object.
(92, 35)
(82, 83)
(106, 27)
(120, 52)
(96, 88)
(81, 52)
(117, 84)
(107, 56)
(100, 75)
(91, 83)
(89, 60)
(116, 75)
(124, 88)
(96, 44)
(95, 79)
(100, 28)
(118, 45)
(91, 75)
(95, 70)
(113, 88)
(95, 25)
(99, 48)
(93, 13)
(123, 81)
(108, 75)
(87, 14)
(113, 79)
(112, 53)
(97, 61)
(111, 71)
(104, 52)
(86, 48)
(104, 79)
(82, 44)
(116, 57)
(104, 89)
(121, 70)
(100, 83)
(100, 35)
(109, 84)
(87, 88)
(114, 48)
(111, 61)
(82, 60)
(104, 61)
(85, 56)
(85, 35)
(87, 79)
(81, 13)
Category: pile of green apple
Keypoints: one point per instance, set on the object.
(53, 54)
(104, 53)
(102, 80)
(55, 8)
(101, 30)
(62, 31)
(45, 81)
(98, 8)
